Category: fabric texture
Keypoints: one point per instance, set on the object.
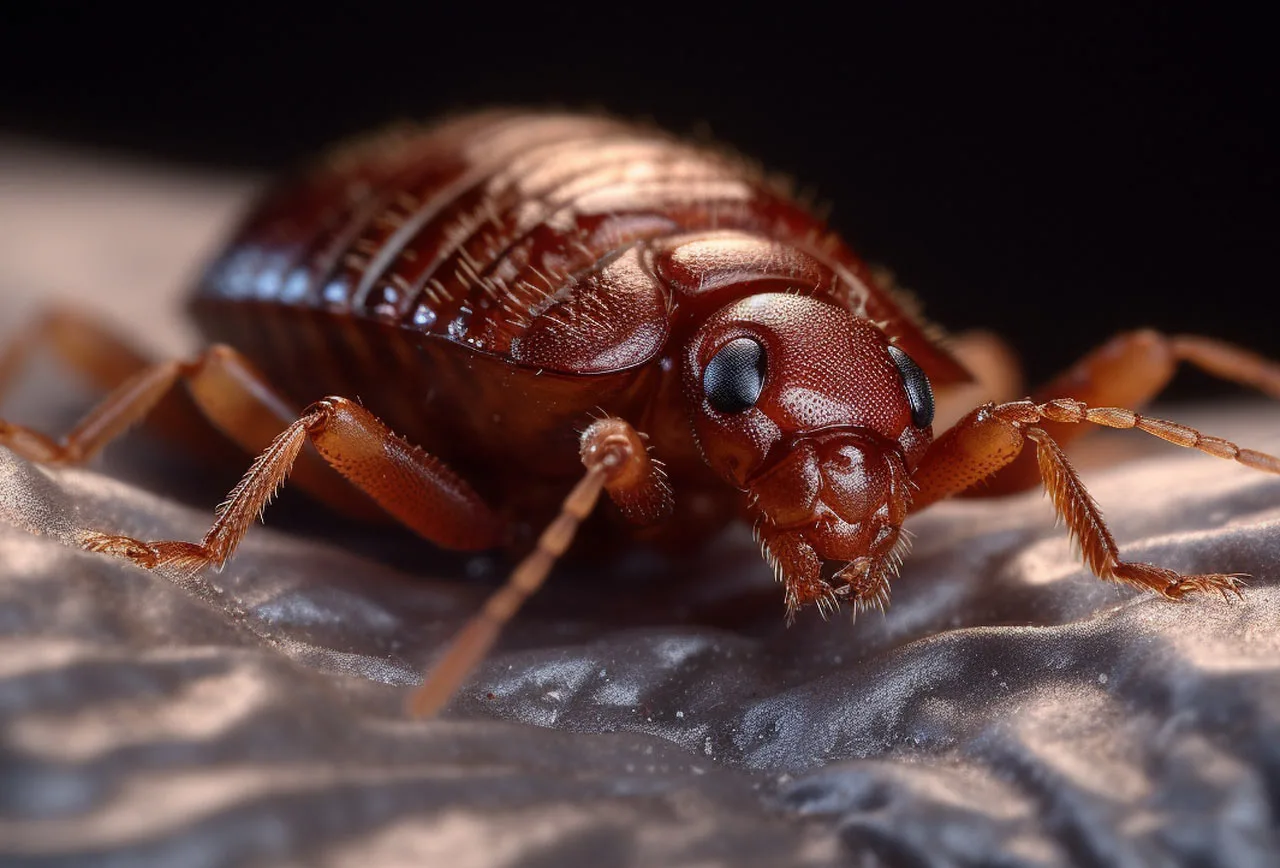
(1008, 710)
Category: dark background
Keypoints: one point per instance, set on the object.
(1055, 177)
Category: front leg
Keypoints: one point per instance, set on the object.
(992, 436)
(1130, 370)
(640, 489)
(617, 462)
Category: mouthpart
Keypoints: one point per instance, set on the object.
(828, 516)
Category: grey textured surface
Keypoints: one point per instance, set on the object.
(1009, 710)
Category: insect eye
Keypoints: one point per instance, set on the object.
(919, 392)
(735, 375)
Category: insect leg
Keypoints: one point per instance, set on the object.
(992, 436)
(225, 387)
(84, 345)
(640, 488)
(106, 361)
(416, 488)
(997, 376)
(1129, 371)
(127, 404)
(615, 460)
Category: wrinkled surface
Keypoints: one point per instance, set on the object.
(1009, 710)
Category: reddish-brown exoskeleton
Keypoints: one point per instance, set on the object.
(522, 295)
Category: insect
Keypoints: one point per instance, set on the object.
(546, 308)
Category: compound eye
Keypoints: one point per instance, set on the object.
(734, 377)
(919, 392)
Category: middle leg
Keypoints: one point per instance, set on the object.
(416, 488)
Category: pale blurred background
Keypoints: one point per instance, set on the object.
(119, 237)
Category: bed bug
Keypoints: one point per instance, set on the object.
(548, 307)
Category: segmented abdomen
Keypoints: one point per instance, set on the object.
(468, 230)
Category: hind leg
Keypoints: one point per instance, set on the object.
(223, 390)
(82, 344)
(104, 360)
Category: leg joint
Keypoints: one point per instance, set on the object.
(316, 416)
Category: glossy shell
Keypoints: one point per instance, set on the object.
(489, 284)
